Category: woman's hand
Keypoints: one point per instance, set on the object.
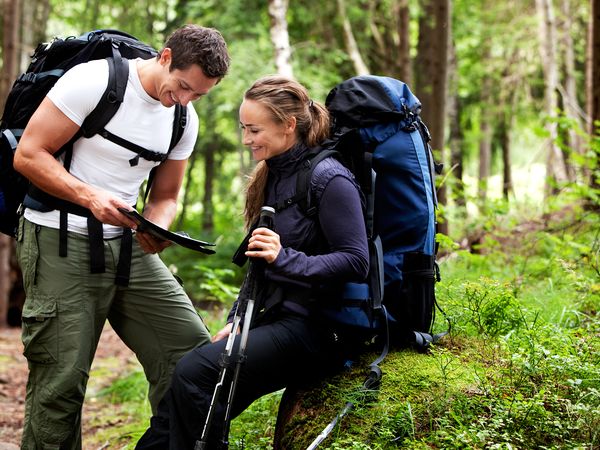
(265, 244)
(222, 334)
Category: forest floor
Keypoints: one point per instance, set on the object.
(113, 360)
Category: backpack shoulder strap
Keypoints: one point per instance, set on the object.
(179, 123)
(304, 195)
(118, 73)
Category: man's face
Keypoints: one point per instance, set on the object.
(181, 86)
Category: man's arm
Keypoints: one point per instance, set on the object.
(47, 131)
(162, 201)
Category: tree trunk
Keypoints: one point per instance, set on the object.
(351, 46)
(280, 37)
(431, 71)
(593, 68)
(572, 108)
(485, 132)
(593, 81)
(504, 133)
(35, 15)
(10, 68)
(485, 157)
(456, 134)
(555, 164)
(209, 180)
(404, 62)
(5, 281)
(11, 19)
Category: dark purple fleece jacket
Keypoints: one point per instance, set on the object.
(318, 252)
(333, 245)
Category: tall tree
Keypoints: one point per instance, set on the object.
(486, 130)
(456, 135)
(504, 126)
(351, 46)
(431, 73)
(571, 106)
(35, 15)
(555, 164)
(593, 80)
(593, 68)
(402, 11)
(11, 20)
(279, 36)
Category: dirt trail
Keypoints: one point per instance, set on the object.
(112, 355)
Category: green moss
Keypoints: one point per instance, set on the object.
(414, 386)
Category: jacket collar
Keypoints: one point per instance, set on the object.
(288, 162)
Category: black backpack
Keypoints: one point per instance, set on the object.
(48, 63)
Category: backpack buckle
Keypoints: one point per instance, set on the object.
(27, 77)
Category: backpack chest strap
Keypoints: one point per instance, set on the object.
(137, 149)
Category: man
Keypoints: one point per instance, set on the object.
(67, 305)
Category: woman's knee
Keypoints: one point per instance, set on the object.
(197, 369)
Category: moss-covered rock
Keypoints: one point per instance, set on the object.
(415, 388)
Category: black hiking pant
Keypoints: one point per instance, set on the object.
(291, 349)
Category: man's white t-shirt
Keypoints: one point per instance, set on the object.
(97, 161)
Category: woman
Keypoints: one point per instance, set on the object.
(303, 256)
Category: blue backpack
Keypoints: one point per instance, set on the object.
(378, 134)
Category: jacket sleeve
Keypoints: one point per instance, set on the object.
(342, 223)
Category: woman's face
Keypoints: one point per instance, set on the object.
(265, 137)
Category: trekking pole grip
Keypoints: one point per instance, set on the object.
(267, 217)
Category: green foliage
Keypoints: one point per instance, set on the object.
(485, 307)
(214, 284)
(254, 428)
(133, 387)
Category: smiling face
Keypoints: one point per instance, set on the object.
(181, 86)
(262, 134)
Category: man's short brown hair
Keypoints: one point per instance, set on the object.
(193, 44)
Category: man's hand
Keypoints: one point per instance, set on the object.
(105, 207)
(150, 244)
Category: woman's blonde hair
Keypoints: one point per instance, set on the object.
(284, 98)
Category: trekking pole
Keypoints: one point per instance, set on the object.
(245, 309)
(265, 221)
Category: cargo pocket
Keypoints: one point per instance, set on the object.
(28, 253)
(40, 329)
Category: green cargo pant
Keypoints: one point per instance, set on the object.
(65, 310)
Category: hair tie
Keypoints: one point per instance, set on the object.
(311, 103)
